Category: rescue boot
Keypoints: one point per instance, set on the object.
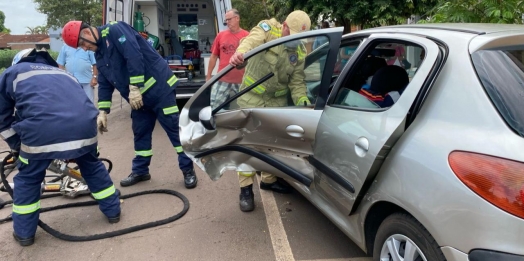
(114, 220)
(190, 178)
(134, 178)
(24, 241)
(277, 186)
(247, 198)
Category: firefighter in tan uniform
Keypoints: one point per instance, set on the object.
(286, 61)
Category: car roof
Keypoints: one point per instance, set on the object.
(479, 29)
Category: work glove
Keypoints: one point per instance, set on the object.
(101, 122)
(135, 98)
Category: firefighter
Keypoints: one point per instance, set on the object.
(127, 62)
(54, 120)
(286, 61)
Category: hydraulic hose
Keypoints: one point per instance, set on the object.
(66, 237)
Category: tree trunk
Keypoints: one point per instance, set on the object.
(265, 8)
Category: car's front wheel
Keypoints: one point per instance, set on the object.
(402, 237)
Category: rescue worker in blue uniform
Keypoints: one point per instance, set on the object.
(54, 119)
(127, 62)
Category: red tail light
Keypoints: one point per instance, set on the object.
(497, 180)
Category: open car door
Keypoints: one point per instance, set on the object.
(220, 131)
(358, 128)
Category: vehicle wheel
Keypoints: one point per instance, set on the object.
(402, 237)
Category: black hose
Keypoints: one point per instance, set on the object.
(66, 237)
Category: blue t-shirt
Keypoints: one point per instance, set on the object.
(78, 62)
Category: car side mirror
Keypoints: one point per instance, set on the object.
(206, 118)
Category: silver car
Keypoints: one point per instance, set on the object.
(413, 145)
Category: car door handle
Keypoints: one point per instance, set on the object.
(362, 146)
(295, 131)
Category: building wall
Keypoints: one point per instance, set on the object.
(55, 39)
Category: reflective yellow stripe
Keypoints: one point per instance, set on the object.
(136, 79)
(113, 22)
(246, 173)
(105, 32)
(301, 101)
(179, 149)
(147, 85)
(260, 89)
(172, 80)
(170, 110)
(144, 153)
(275, 31)
(26, 209)
(104, 105)
(301, 51)
(105, 193)
(24, 160)
(280, 93)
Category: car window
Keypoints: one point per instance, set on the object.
(344, 54)
(501, 72)
(380, 75)
(288, 74)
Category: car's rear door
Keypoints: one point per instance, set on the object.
(355, 134)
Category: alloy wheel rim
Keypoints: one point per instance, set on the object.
(400, 248)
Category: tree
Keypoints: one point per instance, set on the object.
(365, 13)
(474, 11)
(42, 29)
(60, 12)
(30, 30)
(248, 16)
(3, 29)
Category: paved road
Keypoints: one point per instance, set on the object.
(282, 227)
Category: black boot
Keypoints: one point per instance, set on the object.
(134, 178)
(277, 186)
(114, 220)
(247, 199)
(24, 241)
(190, 178)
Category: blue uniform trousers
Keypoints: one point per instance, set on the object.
(27, 190)
(143, 122)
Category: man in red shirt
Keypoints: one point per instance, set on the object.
(223, 48)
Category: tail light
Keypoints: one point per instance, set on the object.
(497, 180)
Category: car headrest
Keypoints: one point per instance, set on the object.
(389, 78)
(372, 65)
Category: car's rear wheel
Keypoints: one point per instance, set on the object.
(402, 237)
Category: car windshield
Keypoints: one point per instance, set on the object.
(502, 75)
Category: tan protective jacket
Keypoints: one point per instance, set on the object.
(286, 63)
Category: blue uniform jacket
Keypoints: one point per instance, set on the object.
(54, 118)
(124, 57)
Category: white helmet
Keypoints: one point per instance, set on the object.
(21, 54)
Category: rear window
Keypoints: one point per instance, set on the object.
(502, 74)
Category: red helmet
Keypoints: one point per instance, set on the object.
(71, 33)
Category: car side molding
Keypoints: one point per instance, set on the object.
(332, 174)
(261, 156)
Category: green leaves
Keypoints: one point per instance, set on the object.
(6, 57)
(3, 29)
(60, 12)
(473, 11)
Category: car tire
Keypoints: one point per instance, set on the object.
(401, 230)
